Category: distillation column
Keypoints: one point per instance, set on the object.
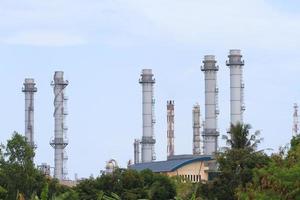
(295, 121)
(210, 133)
(147, 81)
(60, 140)
(170, 129)
(237, 107)
(136, 146)
(29, 89)
(196, 130)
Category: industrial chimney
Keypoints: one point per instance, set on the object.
(136, 145)
(60, 140)
(237, 107)
(29, 89)
(210, 133)
(170, 130)
(147, 81)
(196, 130)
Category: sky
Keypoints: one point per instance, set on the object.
(102, 46)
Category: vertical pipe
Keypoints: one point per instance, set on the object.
(147, 81)
(295, 121)
(29, 89)
(237, 107)
(170, 129)
(196, 130)
(210, 134)
(60, 141)
(136, 145)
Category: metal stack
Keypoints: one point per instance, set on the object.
(136, 146)
(29, 89)
(147, 81)
(196, 130)
(210, 134)
(60, 141)
(237, 106)
(295, 120)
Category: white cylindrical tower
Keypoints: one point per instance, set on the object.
(60, 141)
(237, 106)
(147, 81)
(196, 130)
(29, 89)
(136, 145)
(170, 129)
(210, 133)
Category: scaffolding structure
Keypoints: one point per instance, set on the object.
(196, 130)
(170, 129)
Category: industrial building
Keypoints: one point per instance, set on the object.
(197, 166)
(192, 168)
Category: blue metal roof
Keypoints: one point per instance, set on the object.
(171, 164)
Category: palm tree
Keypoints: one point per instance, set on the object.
(241, 138)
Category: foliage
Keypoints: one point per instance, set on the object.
(236, 163)
(279, 179)
(44, 195)
(128, 185)
(18, 174)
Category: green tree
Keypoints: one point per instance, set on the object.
(162, 188)
(18, 174)
(279, 179)
(236, 163)
(44, 195)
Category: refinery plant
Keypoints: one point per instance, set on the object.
(200, 164)
(194, 167)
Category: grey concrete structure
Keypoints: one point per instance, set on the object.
(196, 130)
(170, 129)
(29, 89)
(136, 146)
(237, 106)
(147, 81)
(60, 140)
(210, 133)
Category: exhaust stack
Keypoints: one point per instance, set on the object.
(210, 133)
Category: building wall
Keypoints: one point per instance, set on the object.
(194, 172)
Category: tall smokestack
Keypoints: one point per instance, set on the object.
(295, 120)
(170, 131)
(29, 89)
(136, 145)
(210, 134)
(237, 107)
(196, 130)
(147, 81)
(60, 140)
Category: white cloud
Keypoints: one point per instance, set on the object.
(44, 38)
(252, 23)
(231, 23)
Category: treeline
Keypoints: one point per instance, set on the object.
(244, 173)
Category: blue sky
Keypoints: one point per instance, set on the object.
(103, 45)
